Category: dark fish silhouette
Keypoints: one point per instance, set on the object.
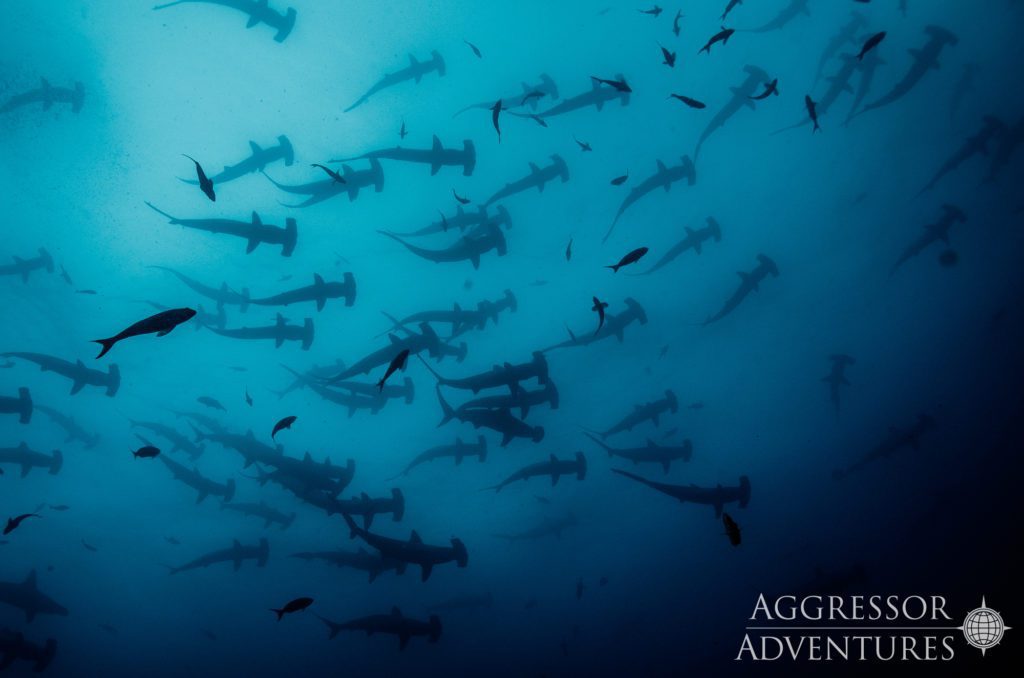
(728, 8)
(335, 176)
(297, 605)
(812, 112)
(205, 185)
(722, 36)
(402, 132)
(630, 258)
(617, 85)
(669, 58)
(476, 50)
(212, 403)
(584, 146)
(692, 103)
(496, 110)
(397, 363)
(284, 423)
(654, 11)
(619, 180)
(732, 530)
(461, 201)
(13, 523)
(770, 88)
(159, 324)
(568, 251)
(146, 452)
(870, 44)
(676, 27)
(599, 306)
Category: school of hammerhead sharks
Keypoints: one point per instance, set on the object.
(497, 401)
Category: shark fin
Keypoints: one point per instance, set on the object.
(415, 538)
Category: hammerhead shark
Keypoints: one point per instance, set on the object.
(522, 399)
(366, 506)
(268, 514)
(224, 295)
(537, 178)
(614, 326)
(939, 231)
(553, 467)
(977, 144)
(548, 528)
(458, 450)
(529, 96)
(469, 247)
(20, 405)
(651, 452)
(437, 156)
(23, 267)
(361, 559)
(47, 95)
(203, 485)
(749, 282)
(846, 35)
(395, 624)
(462, 220)
(716, 497)
(26, 596)
(925, 59)
(507, 375)
(694, 240)
(499, 420)
(318, 191)
(414, 71)
(71, 427)
(253, 231)
(651, 412)
(28, 459)
(413, 551)
(741, 96)
(427, 340)
(663, 178)
(234, 554)
(791, 11)
(251, 450)
(259, 13)
(597, 96)
(280, 332)
(318, 292)
(459, 319)
(1008, 144)
(14, 646)
(256, 162)
(894, 442)
(837, 376)
(80, 375)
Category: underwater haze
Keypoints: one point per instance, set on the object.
(523, 220)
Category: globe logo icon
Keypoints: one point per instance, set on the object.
(983, 627)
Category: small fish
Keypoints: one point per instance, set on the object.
(599, 306)
(58, 507)
(496, 110)
(670, 433)
(476, 50)
(338, 179)
(7, 364)
(283, 278)
(731, 529)
(89, 547)
(146, 452)
(402, 132)
(653, 11)
(539, 282)
(722, 36)
(212, 403)
(812, 111)
(692, 103)
(85, 291)
(618, 85)
(13, 523)
(584, 146)
(65, 276)
(676, 27)
(568, 251)
(770, 88)
(618, 181)
(535, 94)
(537, 119)
(397, 363)
(630, 258)
(297, 605)
(172, 540)
(697, 405)
(205, 183)
(728, 8)
(462, 201)
(870, 44)
(467, 284)
(284, 423)
(669, 58)
(160, 324)
(248, 398)
(663, 352)
(543, 500)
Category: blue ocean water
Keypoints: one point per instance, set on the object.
(636, 583)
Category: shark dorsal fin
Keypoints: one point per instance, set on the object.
(317, 279)
(255, 147)
(307, 457)
(364, 496)
(661, 167)
(393, 338)
(534, 169)
(415, 537)
(30, 580)
(413, 61)
(44, 83)
(256, 219)
(436, 144)
(651, 443)
(553, 458)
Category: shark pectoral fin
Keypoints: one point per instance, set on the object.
(252, 244)
(278, 340)
(25, 468)
(77, 386)
(434, 167)
(666, 464)
(427, 569)
(554, 479)
(320, 301)
(202, 495)
(475, 258)
(253, 20)
(599, 104)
